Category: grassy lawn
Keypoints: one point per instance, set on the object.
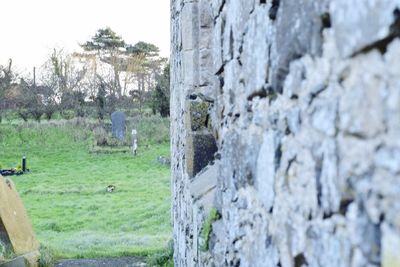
(65, 195)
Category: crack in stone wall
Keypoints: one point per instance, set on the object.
(303, 103)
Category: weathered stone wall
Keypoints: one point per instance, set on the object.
(301, 101)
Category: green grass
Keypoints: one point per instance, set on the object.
(65, 196)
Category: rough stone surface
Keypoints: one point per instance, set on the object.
(303, 101)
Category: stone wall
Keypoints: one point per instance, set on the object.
(295, 107)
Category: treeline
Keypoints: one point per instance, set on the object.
(108, 74)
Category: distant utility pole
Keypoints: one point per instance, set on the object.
(34, 76)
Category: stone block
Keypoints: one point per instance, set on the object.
(298, 32)
(200, 150)
(364, 117)
(190, 29)
(353, 27)
(265, 175)
(205, 181)
(206, 16)
(199, 119)
(324, 118)
(189, 73)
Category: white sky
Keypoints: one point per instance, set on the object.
(29, 29)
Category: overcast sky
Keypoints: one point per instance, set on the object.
(31, 28)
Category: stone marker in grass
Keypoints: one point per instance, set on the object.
(134, 142)
(16, 232)
(118, 125)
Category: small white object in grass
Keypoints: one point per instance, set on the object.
(110, 188)
(134, 142)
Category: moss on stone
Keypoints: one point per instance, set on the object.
(199, 115)
(207, 228)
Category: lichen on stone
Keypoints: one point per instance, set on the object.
(206, 228)
(199, 115)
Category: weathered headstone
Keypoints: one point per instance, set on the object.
(118, 125)
(134, 142)
(16, 232)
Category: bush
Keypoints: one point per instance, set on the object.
(151, 130)
(67, 114)
(104, 138)
(100, 136)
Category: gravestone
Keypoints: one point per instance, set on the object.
(16, 232)
(118, 125)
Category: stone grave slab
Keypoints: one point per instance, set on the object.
(118, 125)
(15, 227)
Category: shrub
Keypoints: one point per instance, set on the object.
(151, 130)
(100, 136)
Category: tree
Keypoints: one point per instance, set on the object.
(62, 82)
(146, 72)
(49, 99)
(122, 69)
(161, 94)
(6, 78)
(109, 46)
(28, 101)
(105, 40)
(143, 48)
(24, 96)
(73, 100)
(101, 101)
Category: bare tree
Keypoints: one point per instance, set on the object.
(6, 77)
(62, 80)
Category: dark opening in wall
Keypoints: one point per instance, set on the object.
(204, 148)
(201, 144)
(300, 260)
(274, 9)
(326, 20)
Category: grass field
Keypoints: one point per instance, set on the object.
(65, 191)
